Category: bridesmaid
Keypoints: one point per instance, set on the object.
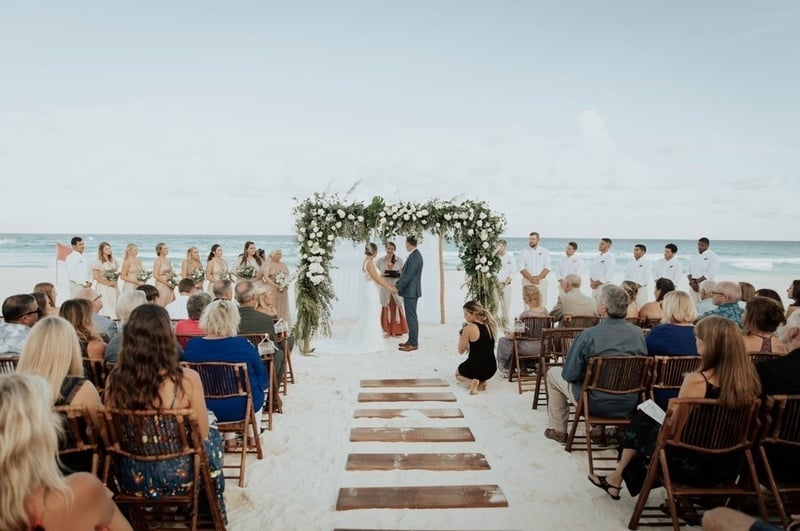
(190, 264)
(131, 266)
(393, 320)
(216, 268)
(250, 257)
(279, 295)
(161, 270)
(103, 271)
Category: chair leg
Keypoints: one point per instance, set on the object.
(575, 421)
(641, 501)
(773, 487)
(762, 506)
(288, 370)
(588, 429)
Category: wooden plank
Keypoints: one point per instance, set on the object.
(407, 382)
(466, 461)
(411, 435)
(436, 497)
(393, 413)
(406, 397)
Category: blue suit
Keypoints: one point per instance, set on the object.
(409, 286)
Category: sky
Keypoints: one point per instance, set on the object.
(623, 119)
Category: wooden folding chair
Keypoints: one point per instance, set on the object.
(758, 357)
(556, 342)
(779, 450)
(8, 363)
(615, 375)
(668, 375)
(170, 438)
(229, 382)
(269, 366)
(79, 442)
(649, 322)
(579, 321)
(96, 372)
(704, 429)
(533, 334)
(634, 321)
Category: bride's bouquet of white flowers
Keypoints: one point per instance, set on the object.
(246, 271)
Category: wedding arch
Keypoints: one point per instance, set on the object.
(322, 219)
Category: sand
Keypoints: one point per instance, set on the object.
(295, 486)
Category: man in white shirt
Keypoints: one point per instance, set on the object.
(534, 265)
(640, 270)
(570, 264)
(602, 268)
(508, 270)
(702, 266)
(79, 269)
(669, 266)
(177, 308)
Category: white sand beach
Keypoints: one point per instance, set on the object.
(296, 485)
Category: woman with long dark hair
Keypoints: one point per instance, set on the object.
(216, 267)
(249, 265)
(793, 293)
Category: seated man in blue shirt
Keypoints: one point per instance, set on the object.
(726, 296)
(614, 336)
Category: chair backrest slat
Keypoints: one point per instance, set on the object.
(783, 420)
(704, 424)
(8, 363)
(535, 325)
(619, 374)
(580, 321)
(758, 357)
(670, 370)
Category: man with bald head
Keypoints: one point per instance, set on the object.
(726, 297)
(572, 301)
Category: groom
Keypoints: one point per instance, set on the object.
(409, 286)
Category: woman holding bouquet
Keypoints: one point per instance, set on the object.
(249, 265)
(166, 279)
(106, 275)
(276, 275)
(192, 267)
(131, 268)
(216, 267)
(393, 320)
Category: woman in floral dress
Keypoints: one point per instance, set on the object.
(106, 275)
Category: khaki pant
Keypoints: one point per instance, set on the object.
(559, 397)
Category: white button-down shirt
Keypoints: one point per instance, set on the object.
(639, 271)
(569, 265)
(534, 260)
(508, 267)
(704, 265)
(671, 269)
(79, 270)
(603, 267)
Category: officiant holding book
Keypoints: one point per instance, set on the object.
(393, 319)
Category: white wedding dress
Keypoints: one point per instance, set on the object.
(367, 335)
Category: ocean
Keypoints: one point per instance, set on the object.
(738, 259)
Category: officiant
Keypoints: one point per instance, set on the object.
(393, 320)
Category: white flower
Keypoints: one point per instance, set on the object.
(341, 213)
(447, 217)
(484, 235)
(338, 224)
(319, 234)
(316, 279)
(485, 245)
(483, 259)
(424, 221)
(423, 212)
(361, 218)
(470, 232)
(330, 237)
(315, 268)
(458, 224)
(406, 217)
(488, 263)
(483, 215)
(479, 223)
(320, 212)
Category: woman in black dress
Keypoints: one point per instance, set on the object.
(477, 340)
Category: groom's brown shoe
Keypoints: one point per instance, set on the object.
(404, 344)
(408, 348)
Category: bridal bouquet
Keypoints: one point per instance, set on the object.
(144, 275)
(173, 278)
(283, 280)
(246, 271)
(111, 274)
(198, 274)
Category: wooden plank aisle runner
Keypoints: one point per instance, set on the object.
(464, 461)
(435, 497)
(408, 382)
(393, 413)
(411, 435)
(406, 397)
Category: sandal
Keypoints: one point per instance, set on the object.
(602, 483)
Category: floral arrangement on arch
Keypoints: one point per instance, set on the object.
(322, 219)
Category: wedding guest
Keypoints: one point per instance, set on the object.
(177, 308)
(106, 275)
(781, 376)
(162, 269)
(192, 267)
(194, 308)
(20, 313)
(126, 303)
(131, 267)
(53, 352)
(41, 302)
(35, 494)
(79, 270)
(654, 309)
(150, 293)
(220, 321)
(50, 292)
(726, 299)
(748, 292)
(793, 292)
(79, 313)
(505, 278)
(148, 376)
(222, 289)
(249, 265)
(769, 294)
(103, 325)
(706, 294)
(725, 374)
(727, 519)
(532, 299)
(760, 320)
(571, 301)
(393, 319)
(264, 302)
(632, 289)
(476, 339)
(216, 267)
(274, 272)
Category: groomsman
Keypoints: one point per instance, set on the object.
(409, 286)
(602, 268)
(534, 265)
(508, 270)
(669, 266)
(702, 266)
(570, 264)
(640, 270)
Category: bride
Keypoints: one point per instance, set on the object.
(367, 335)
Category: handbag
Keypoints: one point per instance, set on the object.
(266, 347)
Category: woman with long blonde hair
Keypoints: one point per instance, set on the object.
(131, 266)
(191, 264)
(33, 493)
(476, 339)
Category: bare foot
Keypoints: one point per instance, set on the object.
(473, 389)
(482, 386)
